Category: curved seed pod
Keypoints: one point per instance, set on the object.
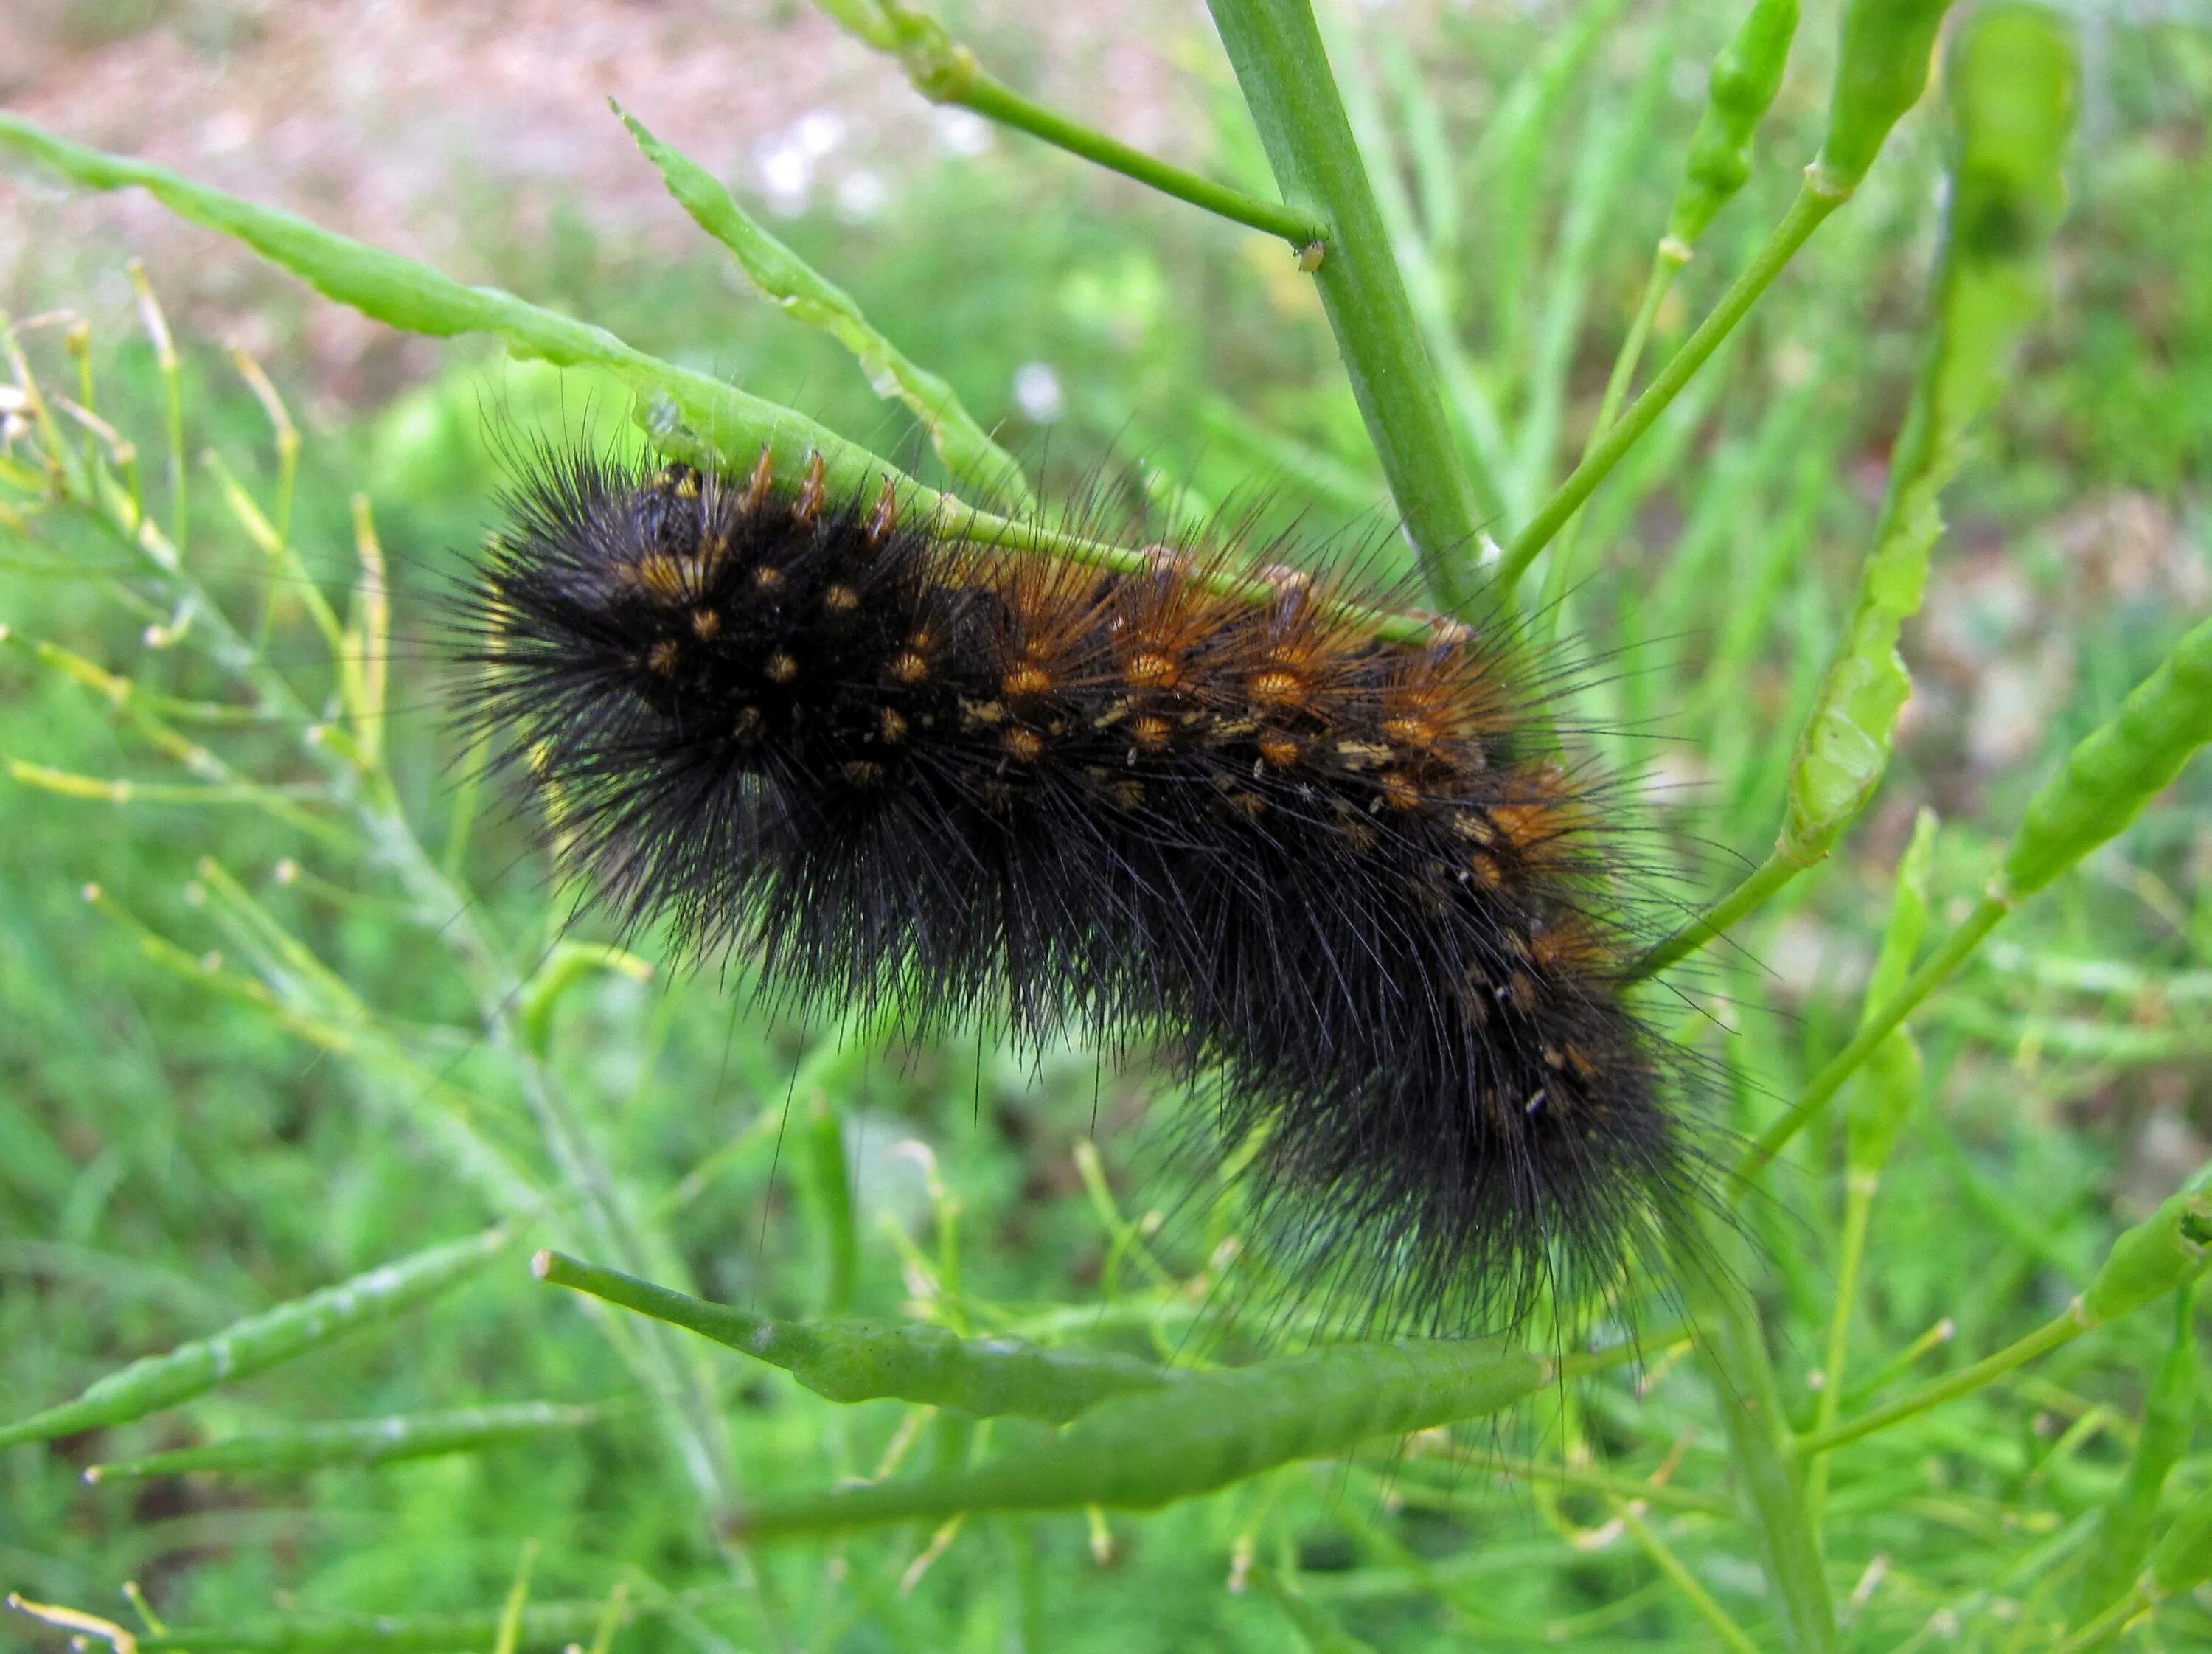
(1208, 1431)
(868, 1360)
(2115, 771)
(1746, 75)
(1881, 69)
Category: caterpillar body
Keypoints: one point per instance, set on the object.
(1343, 876)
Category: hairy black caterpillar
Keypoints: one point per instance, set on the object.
(1339, 873)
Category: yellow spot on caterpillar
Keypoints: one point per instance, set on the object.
(1024, 745)
(908, 668)
(1028, 678)
(662, 657)
(1279, 750)
(864, 772)
(687, 483)
(1554, 1058)
(1470, 824)
(1362, 755)
(1152, 671)
(748, 724)
(886, 517)
(982, 712)
(661, 576)
(840, 599)
(808, 506)
(891, 727)
(766, 578)
(1150, 731)
(760, 485)
(1277, 687)
(781, 668)
(705, 623)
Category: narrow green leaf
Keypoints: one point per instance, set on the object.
(2128, 1524)
(1320, 1633)
(361, 1441)
(260, 1342)
(813, 300)
(546, 1626)
(1206, 1432)
(2009, 99)
(868, 1360)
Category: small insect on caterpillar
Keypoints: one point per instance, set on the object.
(1346, 878)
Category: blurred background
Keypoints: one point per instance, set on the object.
(170, 1159)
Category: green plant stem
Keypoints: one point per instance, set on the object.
(1933, 973)
(1663, 1556)
(1665, 263)
(1858, 1209)
(995, 101)
(1820, 196)
(1276, 51)
(1764, 880)
(2061, 1330)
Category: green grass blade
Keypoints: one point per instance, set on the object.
(260, 1342)
(360, 1441)
(1207, 1432)
(865, 1360)
(546, 1626)
(810, 298)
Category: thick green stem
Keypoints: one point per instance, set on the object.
(1820, 196)
(1276, 51)
(1932, 975)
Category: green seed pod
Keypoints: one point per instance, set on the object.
(1746, 75)
(1204, 1433)
(2114, 772)
(868, 1360)
(2172, 1245)
(1881, 69)
(2013, 84)
(2183, 1559)
(260, 1342)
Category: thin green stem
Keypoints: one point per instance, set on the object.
(1820, 196)
(1665, 263)
(1857, 1210)
(1663, 1556)
(1932, 974)
(1764, 880)
(1276, 51)
(2061, 1329)
(998, 101)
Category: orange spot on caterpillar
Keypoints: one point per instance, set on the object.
(1276, 687)
(661, 576)
(908, 668)
(1279, 750)
(661, 658)
(808, 506)
(1398, 791)
(1025, 745)
(890, 727)
(886, 518)
(768, 578)
(759, 486)
(1150, 670)
(1028, 678)
(864, 772)
(780, 667)
(839, 599)
(705, 624)
(748, 724)
(1151, 731)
